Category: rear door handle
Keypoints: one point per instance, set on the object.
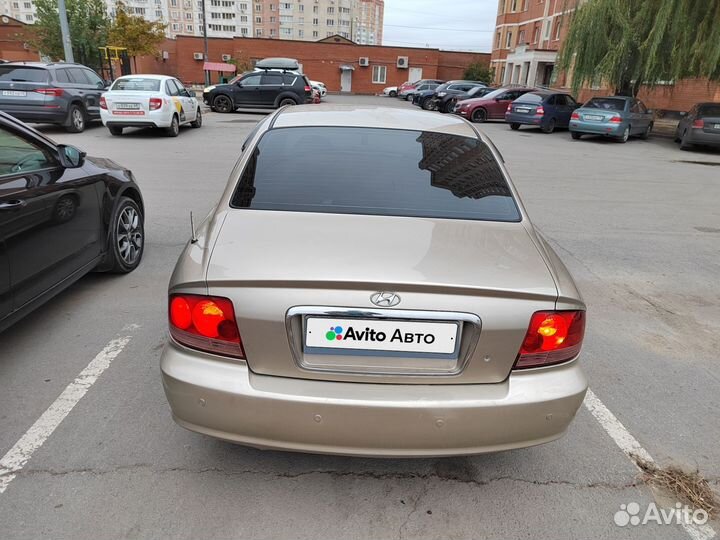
(11, 205)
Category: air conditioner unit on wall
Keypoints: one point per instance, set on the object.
(402, 62)
(165, 55)
(364, 61)
(226, 57)
(197, 55)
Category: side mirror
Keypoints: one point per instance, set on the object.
(683, 113)
(70, 157)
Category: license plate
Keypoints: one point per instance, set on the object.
(592, 117)
(382, 335)
(522, 110)
(129, 113)
(716, 126)
(127, 105)
(14, 93)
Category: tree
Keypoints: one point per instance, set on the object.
(630, 43)
(88, 23)
(139, 36)
(477, 71)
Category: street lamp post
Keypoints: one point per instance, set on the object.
(205, 43)
(65, 32)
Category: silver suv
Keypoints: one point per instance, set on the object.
(52, 93)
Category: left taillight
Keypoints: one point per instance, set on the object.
(308, 89)
(553, 337)
(509, 109)
(155, 103)
(103, 103)
(206, 323)
(698, 124)
(54, 92)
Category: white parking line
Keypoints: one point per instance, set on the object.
(631, 447)
(35, 437)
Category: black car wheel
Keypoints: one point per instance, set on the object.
(549, 127)
(514, 126)
(285, 102)
(76, 119)
(479, 115)
(198, 119)
(575, 135)
(127, 236)
(449, 106)
(223, 104)
(174, 129)
(115, 130)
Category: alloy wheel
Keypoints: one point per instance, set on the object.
(129, 235)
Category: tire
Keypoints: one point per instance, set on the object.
(425, 105)
(287, 102)
(684, 144)
(479, 115)
(223, 104)
(76, 119)
(127, 236)
(115, 131)
(625, 136)
(514, 126)
(65, 209)
(393, 93)
(576, 135)
(550, 126)
(646, 134)
(174, 129)
(197, 123)
(449, 106)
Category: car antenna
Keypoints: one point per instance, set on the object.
(193, 237)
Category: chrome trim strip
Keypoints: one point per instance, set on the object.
(470, 327)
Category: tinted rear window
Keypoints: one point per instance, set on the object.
(532, 98)
(709, 110)
(608, 104)
(23, 74)
(136, 84)
(375, 171)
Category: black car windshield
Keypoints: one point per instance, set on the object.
(136, 84)
(23, 74)
(442, 87)
(479, 91)
(375, 171)
(709, 110)
(608, 104)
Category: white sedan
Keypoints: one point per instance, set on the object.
(320, 87)
(155, 101)
(391, 91)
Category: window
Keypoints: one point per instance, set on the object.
(272, 32)
(301, 7)
(173, 3)
(315, 33)
(188, 15)
(272, 7)
(158, 13)
(93, 78)
(301, 33)
(189, 27)
(608, 104)
(20, 156)
(243, 18)
(497, 41)
(386, 172)
(514, 6)
(315, 22)
(330, 22)
(28, 17)
(521, 37)
(174, 15)
(536, 34)
(244, 31)
(251, 80)
(272, 19)
(525, 5)
(27, 5)
(271, 79)
(16, 5)
(258, 7)
(258, 32)
(136, 84)
(557, 31)
(378, 74)
(258, 20)
(508, 40)
(547, 30)
(315, 9)
(331, 10)
(171, 88)
(286, 31)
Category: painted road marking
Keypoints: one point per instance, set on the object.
(631, 447)
(18, 456)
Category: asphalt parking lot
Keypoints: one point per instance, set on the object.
(638, 225)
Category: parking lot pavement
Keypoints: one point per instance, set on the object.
(637, 224)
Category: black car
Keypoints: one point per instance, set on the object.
(448, 94)
(263, 89)
(701, 126)
(62, 215)
(51, 93)
(546, 109)
(419, 89)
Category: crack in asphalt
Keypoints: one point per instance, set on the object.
(364, 475)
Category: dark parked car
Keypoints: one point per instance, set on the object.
(447, 103)
(546, 109)
(491, 106)
(618, 117)
(445, 93)
(51, 93)
(264, 89)
(701, 125)
(62, 215)
(406, 88)
(421, 89)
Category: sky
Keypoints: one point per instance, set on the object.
(466, 25)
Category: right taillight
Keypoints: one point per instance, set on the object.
(155, 103)
(552, 337)
(698, 124)
(206, 323)
(574, 116)
(615, 120)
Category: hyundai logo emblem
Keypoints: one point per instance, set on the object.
(385, 299)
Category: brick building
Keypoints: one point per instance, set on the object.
(336, 63)
(12, 45)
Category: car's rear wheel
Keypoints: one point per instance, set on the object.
(625, 135)
(479, 115)
(684, 144)
(198, 119)
(549, 127)
(575, 135)
(223, 104)
(174, 129)
(646, 134)
(393, 93)
(76, 119)
(115, 130)
(449, 106)
(514, 126)
(287, 102)
(127, 236)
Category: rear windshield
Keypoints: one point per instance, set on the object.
(23, 74)
(532, 98)
(608, 104)
(136, 84)
(709, 110)
(375, 171)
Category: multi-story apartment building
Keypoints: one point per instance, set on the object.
(527, 37)
(306, 20)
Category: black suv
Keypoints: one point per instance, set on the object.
(52, 93)
(259, 89)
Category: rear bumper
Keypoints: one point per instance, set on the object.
(598, 128)
(226, 400)
(526, 119)
(698, 136)
(158, 119)
(38, 115)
